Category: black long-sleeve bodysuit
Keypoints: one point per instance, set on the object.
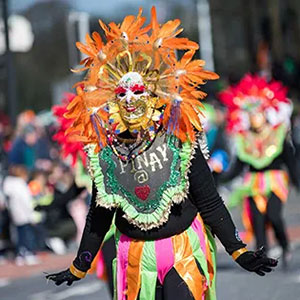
(203, 197)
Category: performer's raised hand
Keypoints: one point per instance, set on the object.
(63, 276)
(257, 261)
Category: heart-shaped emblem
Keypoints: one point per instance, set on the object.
(142, 191)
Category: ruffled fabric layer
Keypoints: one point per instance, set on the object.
(139, 264)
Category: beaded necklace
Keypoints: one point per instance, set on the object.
(152, 131)
(113, 142)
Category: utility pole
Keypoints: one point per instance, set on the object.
(205, 34)
(276, 32)
(10, 71)
(78, 25)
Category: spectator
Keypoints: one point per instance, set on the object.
(42, 196)
(60, 225)
(23, 148)
(21, 212)
(4, 223)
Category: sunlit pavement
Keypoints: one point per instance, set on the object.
(47, 263)
(233, 283)
(37, 288)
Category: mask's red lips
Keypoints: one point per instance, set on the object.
(130, 108)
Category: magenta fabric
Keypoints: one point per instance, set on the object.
(197, 227)
(122, 264)
(100, 266)
(248, 209)
(164, 257)
(261, 180)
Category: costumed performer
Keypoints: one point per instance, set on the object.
(138, 115)
(259, 120)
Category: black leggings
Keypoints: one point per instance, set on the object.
(109, 253)
(173, 288)
(274, 216)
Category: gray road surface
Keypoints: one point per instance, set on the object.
(233, 283)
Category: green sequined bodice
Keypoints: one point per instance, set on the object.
(144, 188)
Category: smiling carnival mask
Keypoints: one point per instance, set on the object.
(136, 106)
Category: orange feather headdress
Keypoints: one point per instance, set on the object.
(151, 51)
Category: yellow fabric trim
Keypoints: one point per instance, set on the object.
(236, 254)
(76, 272)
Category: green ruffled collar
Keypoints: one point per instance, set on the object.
(273, 150)
(169, 193)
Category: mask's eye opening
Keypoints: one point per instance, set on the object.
(121, 94)
(138, 92)
(137, 89)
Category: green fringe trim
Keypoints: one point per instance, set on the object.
(169, 193)
(82, 179)
(262, 162)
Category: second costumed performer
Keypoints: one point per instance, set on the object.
(137, 111)
(258, 119)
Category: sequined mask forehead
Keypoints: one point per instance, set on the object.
(131, 79)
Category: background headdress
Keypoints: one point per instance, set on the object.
(69, 146)
(151, 52)
(255, 93)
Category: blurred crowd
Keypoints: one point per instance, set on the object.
(41, 206)
(43, 203)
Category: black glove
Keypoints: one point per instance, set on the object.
(257, 262)
(63, 276)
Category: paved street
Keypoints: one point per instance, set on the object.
(36, 288)
(233, 283)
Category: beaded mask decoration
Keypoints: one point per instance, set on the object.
(135, 83)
